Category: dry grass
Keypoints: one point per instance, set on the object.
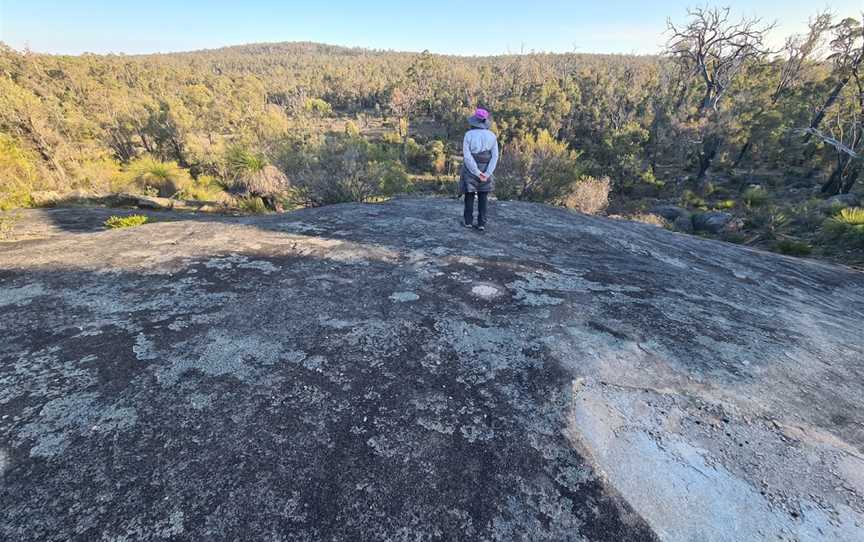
(7, 224)
(589, 195)
(650, 218)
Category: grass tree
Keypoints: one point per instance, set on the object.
(149, 175)
(253, 177)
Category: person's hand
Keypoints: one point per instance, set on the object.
(483, 177)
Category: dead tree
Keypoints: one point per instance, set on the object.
(715, 50)
(848, 168)
(848, 54)
(847, 135)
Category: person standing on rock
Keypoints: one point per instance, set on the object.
(480, 153)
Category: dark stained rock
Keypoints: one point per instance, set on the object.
(684, 223)
(713, 221)
(375, 372)
(841, 200)
(671, 212)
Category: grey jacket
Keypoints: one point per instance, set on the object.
(468, 182)
(480, 154)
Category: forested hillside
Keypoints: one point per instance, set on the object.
(720, 125)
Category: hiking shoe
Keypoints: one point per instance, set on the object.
(467, 224)
(481, 228)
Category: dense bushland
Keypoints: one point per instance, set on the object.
(717, 123)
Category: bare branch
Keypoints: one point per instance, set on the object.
(798, 49)
(830, 141)
(716, 49)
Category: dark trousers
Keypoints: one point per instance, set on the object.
(482, 198)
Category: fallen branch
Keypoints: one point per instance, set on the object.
(829, 140)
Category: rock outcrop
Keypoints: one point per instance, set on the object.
(376, 372)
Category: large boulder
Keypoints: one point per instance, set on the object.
(679, 217)
(715, 222)
(670, 212)
(684, 223)
(377, 372)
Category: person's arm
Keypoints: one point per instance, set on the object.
(470, 164)
(494, 161)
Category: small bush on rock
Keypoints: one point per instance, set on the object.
(252, 204)
(117, 222)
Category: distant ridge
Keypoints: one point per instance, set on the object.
(309, 48)
(280, 47)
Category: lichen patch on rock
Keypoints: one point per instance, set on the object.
(361, 372)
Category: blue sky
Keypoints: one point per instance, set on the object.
(442, 26)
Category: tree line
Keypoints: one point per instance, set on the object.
(718, 101)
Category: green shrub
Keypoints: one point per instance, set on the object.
(390, 177)
(100, 175)
(428, 158)
(846, 226)
(253, 204)
(351, 129)
(793, 248)
(116, 222)
(317, 106)
(833, 208)
(807, 215)
(392, 138)
(17, 174)
(771, 221)
(648, 177)
(690, 199)
(725, 204)
(755, 196)
(537, 168)
(204, 188)
(344, 169)
(241, 161)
